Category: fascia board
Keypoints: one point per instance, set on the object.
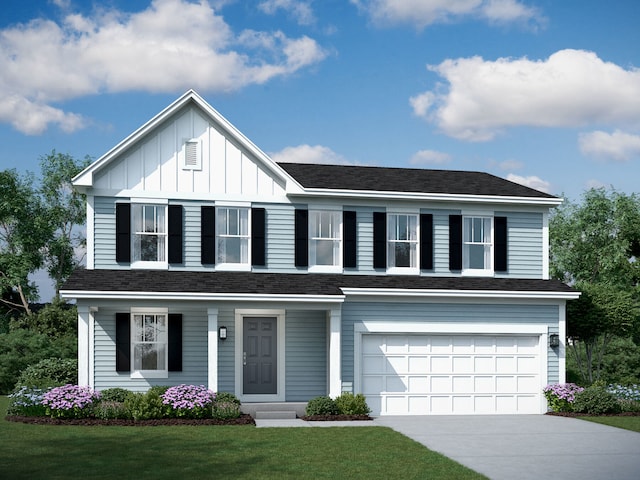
(459, 294)
(426, 197)
(217, 297)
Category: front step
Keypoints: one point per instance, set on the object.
(275, 415)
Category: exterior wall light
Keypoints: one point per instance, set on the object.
(554, 340)
(222, 333)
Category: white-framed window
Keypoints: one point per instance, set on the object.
(477, 244)
(149, 237)
(402, 242)
(149, 351)
(232, 236)
(325, 234)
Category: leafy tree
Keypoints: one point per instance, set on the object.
(66, 211)
(24, 231)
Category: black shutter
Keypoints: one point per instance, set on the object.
(426, 241)
(350, 248)
(175, 233)
(500, 250)
(258, 243)
(123, 232)
(208, 235)
(123, 342)
(455, 242)
(174, 347)
(379, 240)
(301, 229)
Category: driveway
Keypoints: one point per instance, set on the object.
(508, 447)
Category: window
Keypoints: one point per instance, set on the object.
(402, 241)
(232, 235)
(149, 233)
(149, 342)
(477, 243)
(324, 238)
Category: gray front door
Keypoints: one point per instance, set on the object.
(260, 368)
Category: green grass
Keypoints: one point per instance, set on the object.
(628, 423)
(62, 452)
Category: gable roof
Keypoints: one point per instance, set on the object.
(384, 179)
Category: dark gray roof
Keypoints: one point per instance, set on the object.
(351, 177)
(282, 284)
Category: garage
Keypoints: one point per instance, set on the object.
(444, 374)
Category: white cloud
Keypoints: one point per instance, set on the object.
(299, 10)
(571, 88)
(617, 146)
(171, 46)
(531, 181)
(421, 13)
(429, 157)
(510, 165)
(309, 154)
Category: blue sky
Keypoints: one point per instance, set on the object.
(546, 93)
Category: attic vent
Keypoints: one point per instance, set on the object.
(192, 159)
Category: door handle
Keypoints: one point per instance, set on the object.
(244, 358)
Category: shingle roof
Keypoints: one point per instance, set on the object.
(287, 284)
(351, 177)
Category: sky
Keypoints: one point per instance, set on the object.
(541, 92)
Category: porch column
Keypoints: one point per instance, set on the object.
(562, 351)
(83, 345)
(335, 367)
(212, 349)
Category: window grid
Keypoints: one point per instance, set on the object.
(477, 243)
(402, 241)
(324, 238)
(149, 343)
(233, 235)
(149, 239)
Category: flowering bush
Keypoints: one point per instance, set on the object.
(27, 401)
(70, 401)
(628, 396)
(561, 396)
(190, 401)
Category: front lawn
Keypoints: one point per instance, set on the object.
(627, 422)
(49, 451)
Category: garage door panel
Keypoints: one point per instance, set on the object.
(451, 374)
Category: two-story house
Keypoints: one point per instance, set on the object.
(209, 263)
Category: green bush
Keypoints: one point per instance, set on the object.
(50, 372)
(110, 410)
(350, 404)
(147, 406)
(227, 397)
(321, 406)
(596, 400)
(115, 394)
(225, 410)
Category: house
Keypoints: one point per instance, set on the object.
(209, 263)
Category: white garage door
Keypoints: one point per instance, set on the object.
(451, 374)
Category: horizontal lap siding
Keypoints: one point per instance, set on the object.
(524, 244)
(279, 237)
(226, 351)
(105, 232)
(306, 355)
(445, 312)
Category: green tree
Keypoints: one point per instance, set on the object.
(24, 232)
(65, 209)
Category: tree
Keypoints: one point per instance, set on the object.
(24, 232)
(66, 211)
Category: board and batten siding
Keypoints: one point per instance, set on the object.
(194, 351)
(525, 314)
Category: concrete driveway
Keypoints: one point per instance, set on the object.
(509, 447)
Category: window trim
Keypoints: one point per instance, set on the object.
(336, 215)
(478, 272)
(412, 269)
(146, 264)
(238, 267)
(159, 373)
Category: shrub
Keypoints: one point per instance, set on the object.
(350, 404)
(561, 396)
(115, 394)
(225, 410)
(321, 406)
(146, 406)
(27, 401)
(227, 397)
(70, 401)
(628, 397)
(596, 400)
(189, 401)
(110, 409)
(50, 372)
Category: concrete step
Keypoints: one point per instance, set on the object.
(275, 415)
(298, 408)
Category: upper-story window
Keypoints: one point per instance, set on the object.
(477, 251)
(149, 233)
(232, 236)
(402, 241)
(324, 238)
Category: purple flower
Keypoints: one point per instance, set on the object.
(70, 400)
(189, 400)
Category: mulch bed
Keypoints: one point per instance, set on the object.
(334, 418)
(242, 420)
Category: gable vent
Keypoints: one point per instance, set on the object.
(192, 159)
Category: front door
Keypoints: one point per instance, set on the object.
(259, 358)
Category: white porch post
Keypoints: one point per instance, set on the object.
(83, 345)
(562, 350)
(212, 354)
(335, 368)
